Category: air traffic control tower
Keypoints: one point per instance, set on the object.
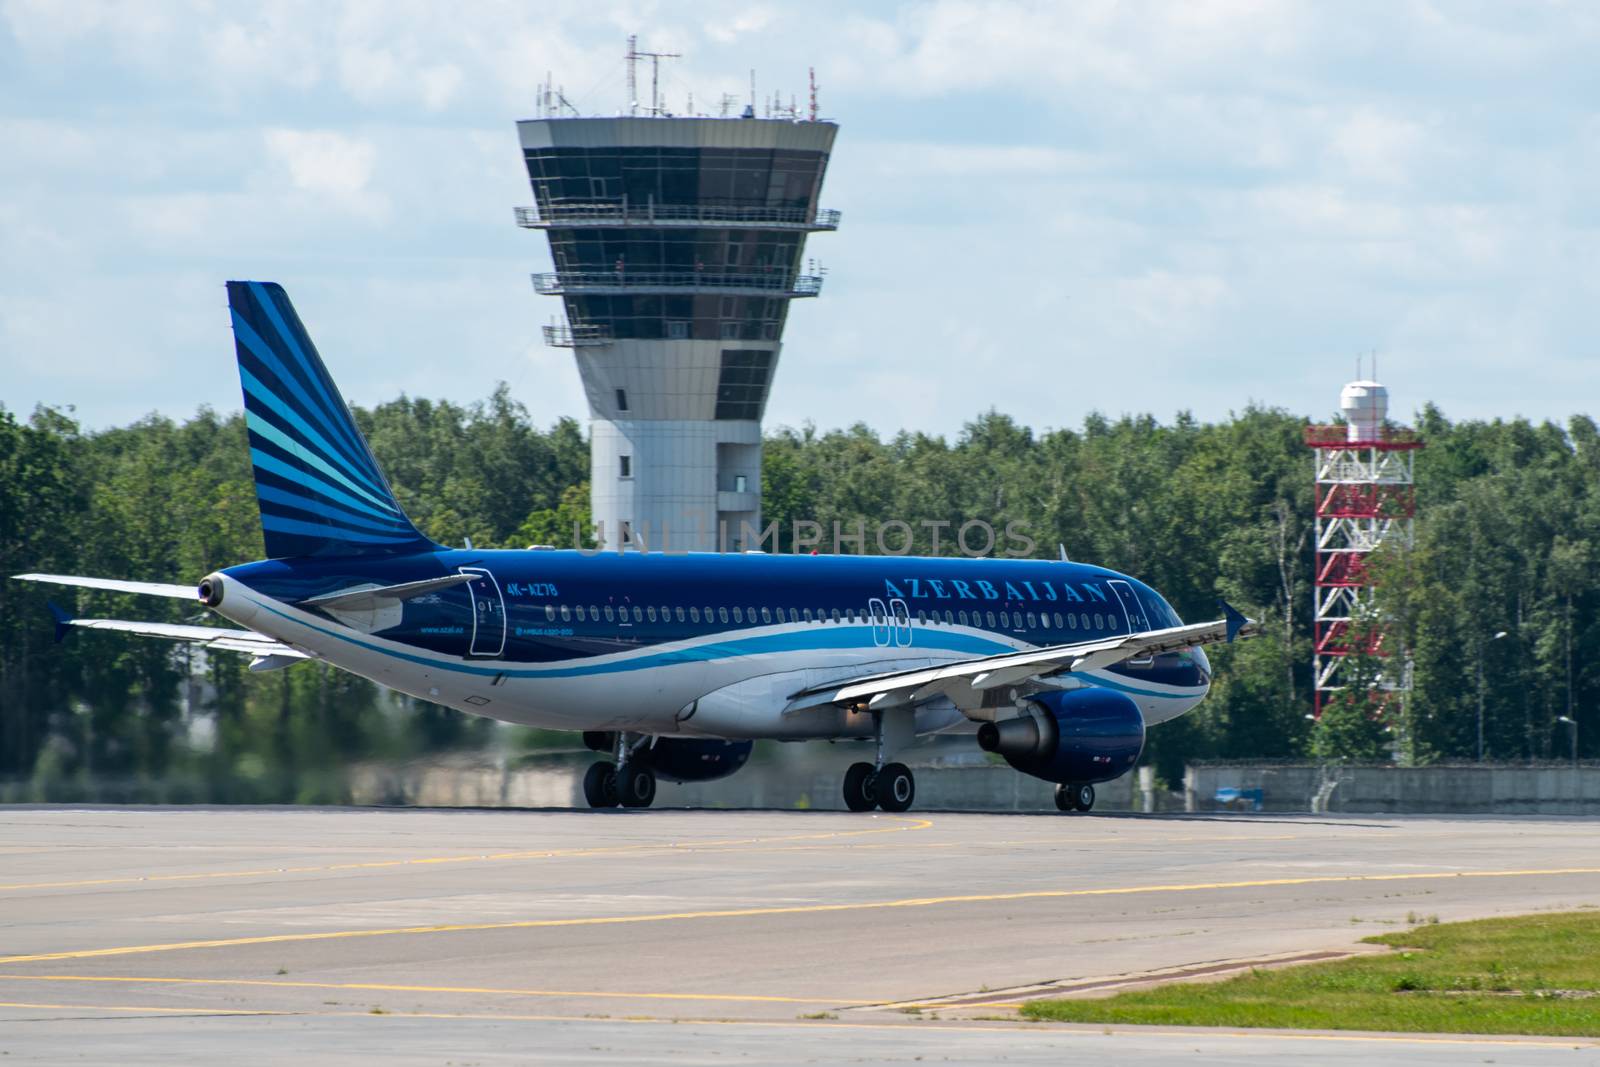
(678, 247)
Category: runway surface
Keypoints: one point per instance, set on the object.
(337, 935)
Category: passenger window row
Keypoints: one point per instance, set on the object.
(1007, 620)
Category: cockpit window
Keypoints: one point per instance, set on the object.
(1157, 610)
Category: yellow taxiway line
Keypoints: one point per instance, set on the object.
(388, 987)
(653, 848)
(793, 909)
(142, 1009)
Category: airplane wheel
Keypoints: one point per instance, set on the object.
(895, 787)
(600, 785)
(1083, 797)
(1066, 798)
(636, 786)
(858, 792)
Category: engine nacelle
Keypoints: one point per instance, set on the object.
(690, 759)
(1078, 737)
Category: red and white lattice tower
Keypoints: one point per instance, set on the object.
(1366, 496)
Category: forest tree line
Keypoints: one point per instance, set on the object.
(1503, 575)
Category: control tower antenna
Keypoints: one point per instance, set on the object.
(811, 72)
(553, 100)
(655, 58)
(633, 81)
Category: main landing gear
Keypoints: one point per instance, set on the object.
(626, 783)
(893, 788)
(600, 785)
(1074, 797)
(605, 785)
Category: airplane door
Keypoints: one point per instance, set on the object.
(902, 622)
(488, 613)
(1132, 610)
(879, 612)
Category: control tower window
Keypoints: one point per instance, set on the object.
(622, 405)
(625, 466)
(742, 385)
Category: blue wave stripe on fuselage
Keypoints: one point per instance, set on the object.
(1106, 683)
(798, 641)
(309, 363)
(821, 638)
(271, 433)
(309, 436)
(269, 360)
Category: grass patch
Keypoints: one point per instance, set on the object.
(1536, 974)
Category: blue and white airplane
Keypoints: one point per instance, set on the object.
(673, 665)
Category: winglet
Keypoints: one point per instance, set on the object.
(63, 620)
(1235, 620)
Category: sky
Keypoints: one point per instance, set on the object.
(1049, 209)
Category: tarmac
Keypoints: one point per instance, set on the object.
(278, 935)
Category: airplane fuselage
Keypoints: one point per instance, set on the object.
(702, 644)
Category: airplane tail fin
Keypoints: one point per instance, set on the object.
(321, 492)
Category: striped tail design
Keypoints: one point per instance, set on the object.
(320, 490)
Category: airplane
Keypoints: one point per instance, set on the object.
(673, 665)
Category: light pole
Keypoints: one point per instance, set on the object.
(1481, 646)
(1572, 728)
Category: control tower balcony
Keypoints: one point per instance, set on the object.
(731, 283)
(608, 214)
(582, 335)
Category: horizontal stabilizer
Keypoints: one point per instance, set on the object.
(115, 585)
(213, 637)
(369, 599)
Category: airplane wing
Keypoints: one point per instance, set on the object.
(898, 688)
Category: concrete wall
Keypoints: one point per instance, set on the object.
(1501, 790)
(800, 783)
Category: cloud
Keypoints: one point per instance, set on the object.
(322, 161)
(725, 29)
(1232, 196)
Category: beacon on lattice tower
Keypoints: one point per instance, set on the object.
(1366, 497)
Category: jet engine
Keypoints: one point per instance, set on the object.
(685, 759)
(1077, 737)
